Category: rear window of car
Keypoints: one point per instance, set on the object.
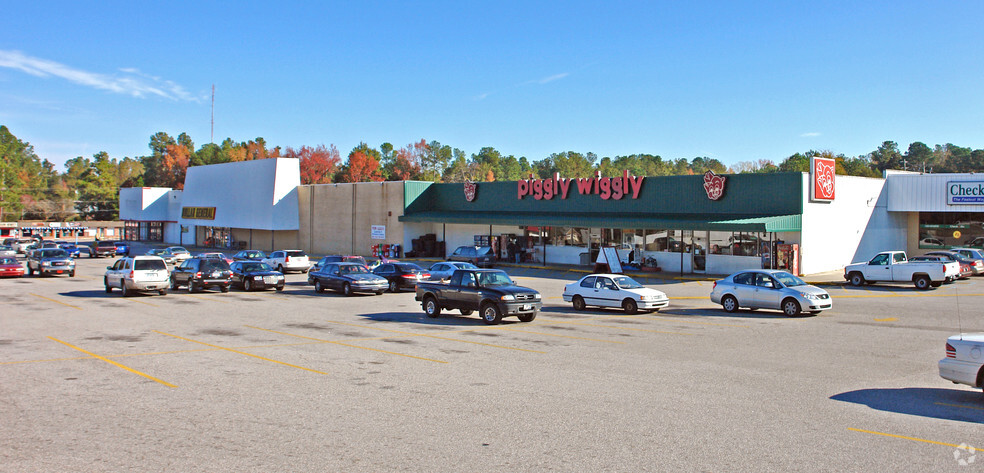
(745, 278)
(149, 265)
(409, 267)
(296, 253)
(588, 281)
(214, 265)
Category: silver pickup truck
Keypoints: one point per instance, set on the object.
(894, 266)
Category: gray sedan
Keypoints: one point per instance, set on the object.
(769, 289)
(443, 270)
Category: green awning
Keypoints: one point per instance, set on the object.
(779, 223)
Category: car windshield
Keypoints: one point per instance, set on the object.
(352, 269)
(256, 267)
(254, 254)
(788, 280)
(178, 249)
(494, 278)
(465, 266)
(8, 261)
(355, 259)
(149, 265)
(627, 283)
(54, 253)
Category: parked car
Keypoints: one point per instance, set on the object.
(6, 250)
(102, 248)
(348, 278)
(489, 291)
(50, 261)
(199, 274)
(614, 290)
(122, 248)
(337, 259)
(401, 275)
(769, 289)
(895, 266)
(443, 270)
(972, 253)
(23, 245)
(10, 267)
(216, 255)
(177, 253)
(73, 250)
(977, 242)
(161, 253)
(964, 363)
(968, 266)
(137, 274)
(249, 255)
(481, 256)
(288, 260)
(250, 275)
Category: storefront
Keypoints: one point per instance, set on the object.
(941, 210)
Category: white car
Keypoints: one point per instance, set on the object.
(441, 271)
(288, 260)
(138, 274)
(614, 290)
(177, 254)
(7, 251)
(964, 362)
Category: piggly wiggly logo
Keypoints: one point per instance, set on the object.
(825, 180)
(713, 185)
(470, 189)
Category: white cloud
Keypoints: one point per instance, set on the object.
(481, 96)
(553, 77)
(812, 134)
(133, 83)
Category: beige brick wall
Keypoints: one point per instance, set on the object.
(337, 218)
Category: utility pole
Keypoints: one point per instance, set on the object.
(211, 136)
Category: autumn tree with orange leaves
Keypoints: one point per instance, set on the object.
(362, 166)
(318, 165)
(407, 163)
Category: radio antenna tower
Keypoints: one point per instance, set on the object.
(211, 136)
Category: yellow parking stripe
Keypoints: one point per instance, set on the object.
(438, 337)
(56, 302)
(896, 294)
(107, 360)
(241, 352)
(562, 336)
(617, 327)
(887, 319)
(678, 319)
(345, 344)
(915, 439)
(140, 302)
(959, 405)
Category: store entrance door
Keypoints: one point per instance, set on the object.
(698, 251)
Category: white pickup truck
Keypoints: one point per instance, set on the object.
(894, 266)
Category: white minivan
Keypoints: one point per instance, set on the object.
(138, 274)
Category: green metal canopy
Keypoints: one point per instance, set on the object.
(779, 223)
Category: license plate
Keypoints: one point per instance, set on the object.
(527, 306)
(216, 274)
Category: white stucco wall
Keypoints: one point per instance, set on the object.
(853, 227)
(260, 194)
(144, 204)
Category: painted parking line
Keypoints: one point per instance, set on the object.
(207, 298)
(438, 337)
(345, 344)
(56, 302)
(914, 439)
(139, 301)
(562, 336)
(902, 294)
(617, 327)
(887, 319)
(241, 352)
(107, 360)
(679, 319)
(960, 406)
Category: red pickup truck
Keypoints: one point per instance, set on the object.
(103, 248)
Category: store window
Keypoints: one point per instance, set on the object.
(951, 229)
(569, 236)
(720, 243)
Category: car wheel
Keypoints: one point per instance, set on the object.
(247, 285)
(280, 289)
(527, 317)
(224, 288)
(465, 311)
(790, 307)
(431, 307)
(922, 282)
(318, 287)
(856, 279)
(347, 289)
(191, 286)
(106, 283)
(174, 284)
(71, 274)
(491, 314)
(629, 306)
(578, 302)
(162, 292)
(730, 304)
(394, 287)
(124, 290)
(30, 270)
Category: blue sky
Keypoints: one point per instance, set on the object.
(735, 81)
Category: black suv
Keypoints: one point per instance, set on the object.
(202, 273)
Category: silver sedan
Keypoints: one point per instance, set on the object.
(443, 270)
(769, 289)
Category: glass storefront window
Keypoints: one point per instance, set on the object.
(720, 243)
(951, 229)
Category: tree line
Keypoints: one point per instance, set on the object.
(32, 188)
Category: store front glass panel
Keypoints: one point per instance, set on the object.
(951, 229)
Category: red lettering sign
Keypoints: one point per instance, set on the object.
(606, 187)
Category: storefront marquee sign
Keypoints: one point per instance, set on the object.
(965, 192)
(605, 187)
(822, 179)
(714, 185)
(470, 189)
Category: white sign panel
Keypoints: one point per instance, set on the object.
(377, 232)
(609, 256)
(965, 192)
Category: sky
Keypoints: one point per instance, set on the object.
(734, 81)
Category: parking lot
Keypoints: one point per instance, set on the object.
(300, 381)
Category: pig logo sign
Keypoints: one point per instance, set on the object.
(822, 179)
(713, 185)
(470, 189)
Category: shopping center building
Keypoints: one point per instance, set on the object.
(715, 224)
